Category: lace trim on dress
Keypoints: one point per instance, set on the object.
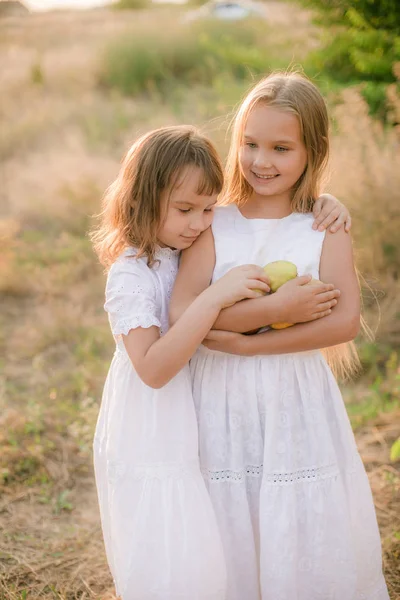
(123, 326)
(309, 474)
(285, 478)
(166, 252)
(159, 253)
(229, 475)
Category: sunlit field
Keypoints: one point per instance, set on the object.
(76, 89)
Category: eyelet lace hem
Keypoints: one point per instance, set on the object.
(229, 475)
(123, 326)
(285, 478)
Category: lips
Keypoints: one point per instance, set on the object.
(264, 177)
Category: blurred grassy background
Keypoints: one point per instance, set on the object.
(77, 88)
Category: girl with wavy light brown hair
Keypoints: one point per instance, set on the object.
(159, 528)
(289, 490)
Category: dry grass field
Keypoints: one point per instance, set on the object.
(63, 133)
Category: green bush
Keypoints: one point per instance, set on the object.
(132, 4)
(358, 55)
(378, 14)
(375, 94)
(363, 45)
(189, 54)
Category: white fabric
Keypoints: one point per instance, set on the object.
(160, 532)
(290, 493)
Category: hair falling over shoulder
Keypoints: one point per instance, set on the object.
(132, 211)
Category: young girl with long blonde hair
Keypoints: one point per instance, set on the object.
(289, 490)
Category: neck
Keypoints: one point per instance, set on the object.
(268, 207)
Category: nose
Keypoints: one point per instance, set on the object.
(198, 222)
(262, 160)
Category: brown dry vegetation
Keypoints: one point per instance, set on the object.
(61, 143)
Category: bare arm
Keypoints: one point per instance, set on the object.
(340, 326)
(196, 267)
(296, 302)
(158, 359)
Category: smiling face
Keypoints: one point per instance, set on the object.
(273, 155)
(186, 213)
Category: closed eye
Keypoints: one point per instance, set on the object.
(184, 210)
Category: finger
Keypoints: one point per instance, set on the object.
(327, 296)
(329, 219)
(303, 279)
(316, 210)
(266, 279)
(326, 305)
(322, 314)
(259, 273)
(339, 222)
(257, 284)
(321, 217)
(333, 215)
(322, 208)
(252, 293)
(347, 225)
(321, 288)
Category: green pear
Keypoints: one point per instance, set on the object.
(279, 272)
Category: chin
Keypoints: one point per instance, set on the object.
(187, 243)
(182, 244)
(264, 191)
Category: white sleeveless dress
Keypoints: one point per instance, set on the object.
(160, 532)
(290, 492)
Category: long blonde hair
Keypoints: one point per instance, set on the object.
(131, 214)
(295, 94)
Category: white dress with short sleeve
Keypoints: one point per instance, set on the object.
(289, 490)
(160, 532)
